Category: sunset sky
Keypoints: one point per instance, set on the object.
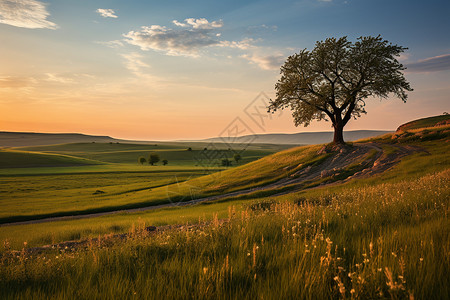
(159, 70)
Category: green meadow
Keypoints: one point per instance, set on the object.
(268, 229)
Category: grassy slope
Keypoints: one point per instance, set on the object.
(385, 241)
(423, 123)
(28, 159)
(175, 153)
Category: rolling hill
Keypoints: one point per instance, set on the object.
(24, 139)
(19, 139)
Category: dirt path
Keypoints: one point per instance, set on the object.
(371, 156)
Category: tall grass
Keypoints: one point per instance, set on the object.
(383, 241)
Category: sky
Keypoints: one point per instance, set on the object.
(162, 70)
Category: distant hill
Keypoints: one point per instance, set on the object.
(26, 139)
(19, 139)
(302, 138)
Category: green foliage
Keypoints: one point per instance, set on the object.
(153, 159)
(332, 80)
(165, 162)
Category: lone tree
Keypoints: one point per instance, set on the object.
(142, 160)
(165, 162)
(153, 159)
(237, 157)
(333, 79)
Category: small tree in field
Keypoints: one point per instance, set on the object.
(153, 159)
(165, 162)
(332, 81)
(226, 162)
(142, 160)
(237, 158)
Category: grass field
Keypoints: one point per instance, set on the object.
(380, 236)
(82, 178)
(385, 241)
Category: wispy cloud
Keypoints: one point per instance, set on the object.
(25, 13)
(243, 45)
(266, 62)
(186, 38)
(107, 13)
(134, 63)
(111, 44)
(201, 23)
(16, 82)
(431, 64)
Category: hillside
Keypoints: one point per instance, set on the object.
(302, 138)
(426, 122)
(26, 159)
(364, 221)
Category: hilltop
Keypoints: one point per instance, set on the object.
(19, 139)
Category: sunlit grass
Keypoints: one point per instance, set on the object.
(389, 240)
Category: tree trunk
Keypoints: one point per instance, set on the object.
(338, 132)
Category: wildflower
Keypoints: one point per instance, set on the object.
(352, 291)
(205, 269)
(421, 259)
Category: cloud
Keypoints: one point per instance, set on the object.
(25, 13)
(243, 45)
(16, 82)
(431, 64)
(107, 12)
(58, 78)
(186, 39)
(201, 23)
(134, 63)
(111, 44)
(267, 62)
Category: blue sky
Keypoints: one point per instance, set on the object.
(186, 69)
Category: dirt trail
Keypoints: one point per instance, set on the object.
(372, 158)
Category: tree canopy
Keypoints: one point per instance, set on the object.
(153, 159)
(331, 81)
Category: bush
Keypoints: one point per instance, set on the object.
(226, 162)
